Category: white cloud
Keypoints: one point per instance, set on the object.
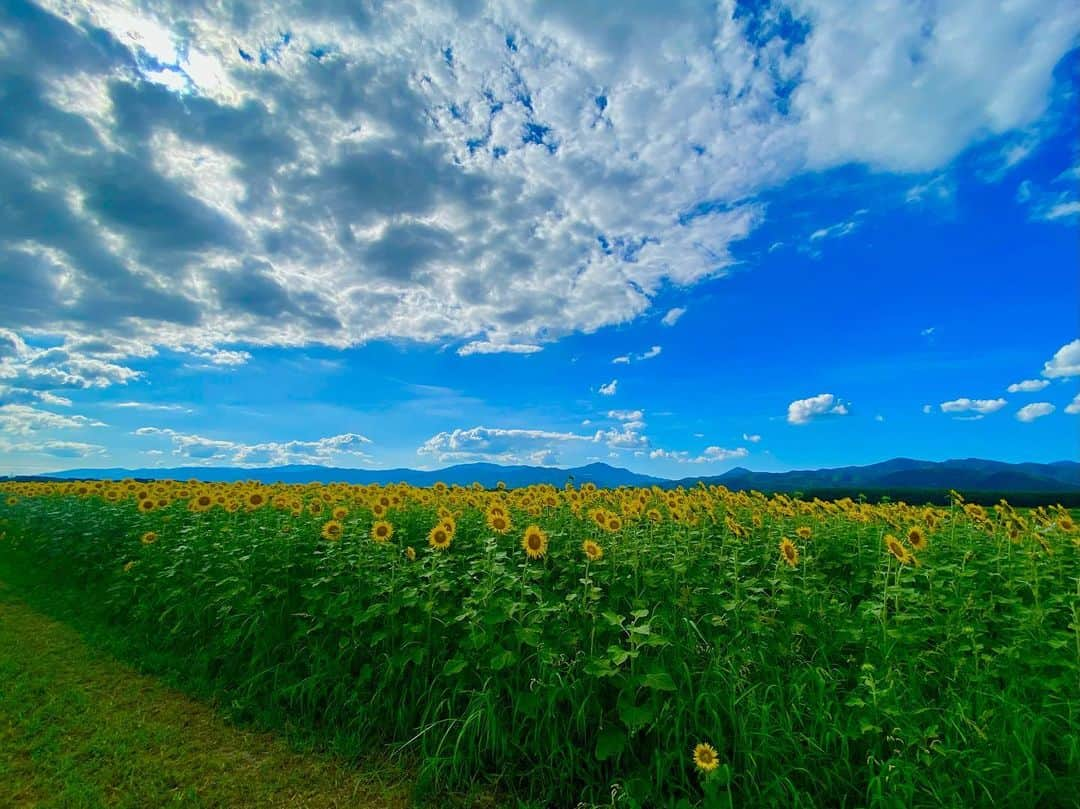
(221, 357)
(839, 230)
(936, 190)
(625, 359)
(17, 419)
(1028, 386)
(710, 455)
(672, 316)
(652, 352)
(753, 439)
(55, 449)
(1065, 362)
(927, 408)
(610, 388)
(487, 347)
(506, 173)
(497, 445)
(1073, 407)
(1033, 411)
(271, 453)
(156, 406)
(872, 71)
(980, 406)
(626, 415)
(928, 331)
(802, 411)
(878, 417)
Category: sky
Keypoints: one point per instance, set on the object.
(677, 237)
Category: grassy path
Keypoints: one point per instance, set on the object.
(79, 729)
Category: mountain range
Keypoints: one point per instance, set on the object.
(965, 475)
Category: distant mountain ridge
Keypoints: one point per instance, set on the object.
(969, 474)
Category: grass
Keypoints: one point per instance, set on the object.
(79, 729)
(946, 673)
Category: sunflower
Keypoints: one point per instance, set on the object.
(705, 758)
(897, 549)
(600, 517)
(534, 542)
(339, 513)
(614, 523)
(147, 505)
(379, 510)
(410, 553)
(381, 531)
(332, 531)
(12, 500)
(499, 523)
(149, 538)
(593, 552)
(803, 531)
(916, 539)
(789, 552)
(654, 515)
(129, 566)
(315, 507)
(439, 539)
(255, 500)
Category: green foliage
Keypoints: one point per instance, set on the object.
(848, 680)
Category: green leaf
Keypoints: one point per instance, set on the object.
(611, 742)
(453, 666)
(659, 681)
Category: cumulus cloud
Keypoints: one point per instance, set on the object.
(752, 438)
(672, 316)
(19, 419)
(498, 445)
(1065, 362)
(710, 455)
(1028, 386)
(200, 449)
(1073, 407)
(802, 411)
(609, 388)
(1033, 411)
(187, 175)
(979, 407)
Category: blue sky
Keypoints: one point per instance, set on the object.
(679, 239)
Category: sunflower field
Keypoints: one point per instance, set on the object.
(629, 647)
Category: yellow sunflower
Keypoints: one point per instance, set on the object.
(439, 539)
(593, 552)
(789, 552)
(705, 758)
(149, 538)
(339, 513)
(803, 531)
(534, 542)
(147, 505)
(255, 500)
(917, 540)
(332, 531)
(381, 531)
(410, 553)
(499, 523)
(897, 549)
